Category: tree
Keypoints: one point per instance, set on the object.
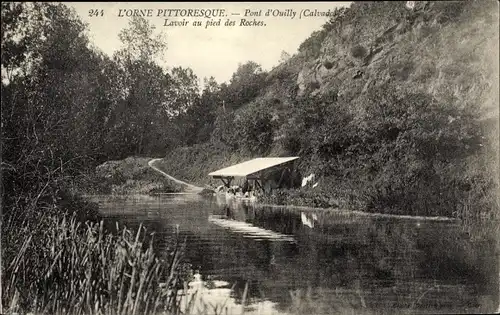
(13, 51)
(199, 118)
(184, 90)
(49, 79)
(139, 42)
(47, 93)
(225, 129)
(284, 57)
(145, 87)
(245, 84)
(255, 130)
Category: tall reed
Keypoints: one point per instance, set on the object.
(80, 268)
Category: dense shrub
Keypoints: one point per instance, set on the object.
(224, 129)
(358, 51)
(406, 147)
(311, 47)
(254, 130)
(192, 164)
(132, 175)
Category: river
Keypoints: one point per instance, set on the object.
(340, 262)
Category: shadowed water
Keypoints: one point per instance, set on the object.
(350, 262)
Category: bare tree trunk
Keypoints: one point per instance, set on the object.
(141, 141)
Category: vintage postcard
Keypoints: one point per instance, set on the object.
(250, 158)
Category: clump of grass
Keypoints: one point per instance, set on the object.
(79, 268)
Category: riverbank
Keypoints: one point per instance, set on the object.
(186, 187)
(388, 195)
(186, 169)
(133, 175)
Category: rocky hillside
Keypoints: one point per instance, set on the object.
(448, 50)
(391, 101)
(442, 48)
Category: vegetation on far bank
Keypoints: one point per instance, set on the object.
(132, 175)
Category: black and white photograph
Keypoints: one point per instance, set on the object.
(250, 158)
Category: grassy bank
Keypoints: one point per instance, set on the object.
(132, 175)
(192, 164)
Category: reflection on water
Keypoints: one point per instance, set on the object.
(379, 264)
(249, 230)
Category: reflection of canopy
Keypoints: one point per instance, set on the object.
(250, 230)
(251, 167)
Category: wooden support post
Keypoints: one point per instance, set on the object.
(258, 184)
(228, 183)
(282, 177)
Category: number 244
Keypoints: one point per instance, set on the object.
(96, 12)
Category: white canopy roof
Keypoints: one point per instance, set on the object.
(252, 166)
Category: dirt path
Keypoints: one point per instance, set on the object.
(187, 187)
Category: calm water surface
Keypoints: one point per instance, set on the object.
(350, 263)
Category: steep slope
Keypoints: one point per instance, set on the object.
(394, 108)
(441, 48)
